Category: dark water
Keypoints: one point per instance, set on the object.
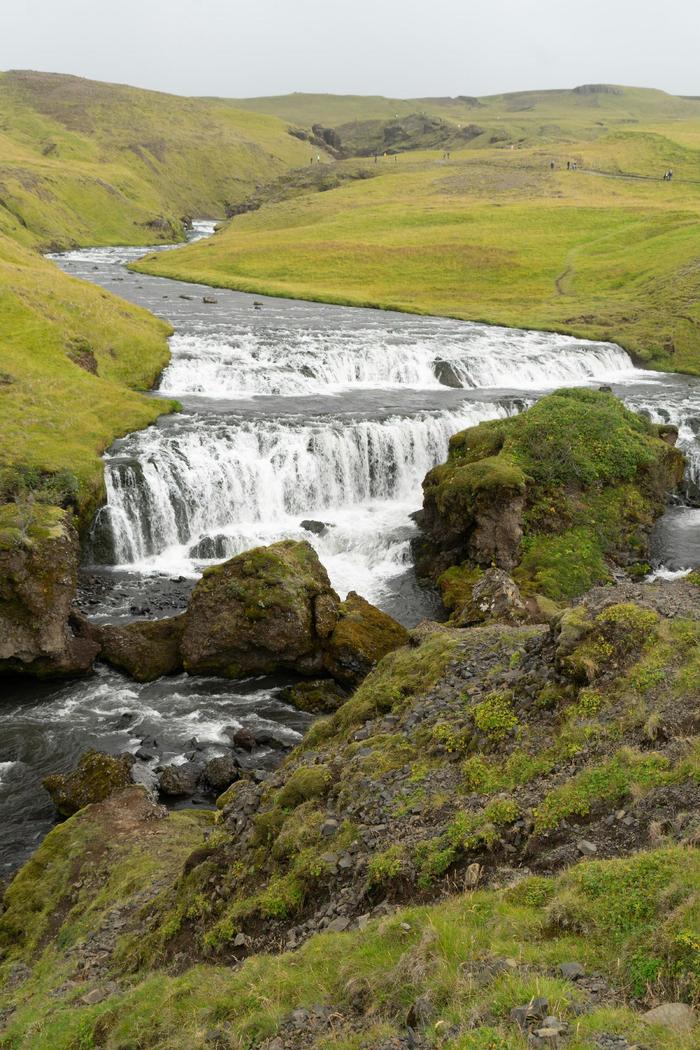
(291, 411)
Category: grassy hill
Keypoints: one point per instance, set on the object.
(88, 163)
(587, 111)
(84, 162)
(494, 235)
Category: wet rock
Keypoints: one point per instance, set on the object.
(210, 547)
(146, 649)
(219, 773)
(241, 737)
(39, 552)
(179, 781)
(678, 1017)
(95, 778)
(318, 528)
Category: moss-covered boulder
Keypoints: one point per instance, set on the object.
(262, 611)
(145, 649)
(319, 696)
(362, 635)
(39, 553)
(552, 496)
(273, 608)
(95, 778)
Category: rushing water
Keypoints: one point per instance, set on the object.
(291, 412)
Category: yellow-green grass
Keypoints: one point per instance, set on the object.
(83, 162)
(88, 163)
(493, 236)
(55, 415)
(633, 920)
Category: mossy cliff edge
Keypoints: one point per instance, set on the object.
(558, 496)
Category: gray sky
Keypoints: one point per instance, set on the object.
(391, 47)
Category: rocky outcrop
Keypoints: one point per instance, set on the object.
(362, 635)
(39, 553)
(145, 649)
(95, 778)
(273, 609)
(554, 496)
(494, 596)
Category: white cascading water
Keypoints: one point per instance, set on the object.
(289, 362)
(244, 482)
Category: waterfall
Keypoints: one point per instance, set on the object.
(193, 476)
(255, 360)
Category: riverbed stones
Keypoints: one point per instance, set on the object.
(95, 778)
(39, 553)
(144, 649)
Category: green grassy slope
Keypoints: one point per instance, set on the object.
(85, 162)
(70, 358)
(493, 235)
(89, 163)
(627, 920)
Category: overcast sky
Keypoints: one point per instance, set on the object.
(402, 48)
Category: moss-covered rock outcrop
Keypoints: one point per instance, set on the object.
(95, 778)
(39, 553)
(466, 757)
(273, 608)
(554, 496)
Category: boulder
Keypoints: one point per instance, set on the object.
(144, 649)
(39, 552)
(495, 596)
(219, 773)
(362, 635)
(321, 696)
(265, 610)
(95, 778)
(678, 1017)
(179, 781)
(241, 737)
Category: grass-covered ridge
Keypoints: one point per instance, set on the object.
(494, 235)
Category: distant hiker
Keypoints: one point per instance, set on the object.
(551, 165)
(568, 165)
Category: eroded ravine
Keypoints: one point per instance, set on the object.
(293, 412)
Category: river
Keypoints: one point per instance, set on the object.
(291, 412)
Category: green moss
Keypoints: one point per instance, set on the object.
(398, 676)
(456, 584)
(385, 867)
(308, 782)
(606, 784)
(495, 717)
